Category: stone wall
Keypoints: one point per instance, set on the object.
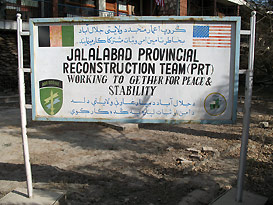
(9, 62)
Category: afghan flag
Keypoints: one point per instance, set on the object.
(56, 36)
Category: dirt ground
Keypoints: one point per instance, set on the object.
(95, 163)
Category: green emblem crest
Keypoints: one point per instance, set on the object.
(51, 95)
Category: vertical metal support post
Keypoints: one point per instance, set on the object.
(247, 106)
(23, 105)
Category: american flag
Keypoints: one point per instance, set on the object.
(160, 3)
(216, 36)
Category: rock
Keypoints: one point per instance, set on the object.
(264, 124)
(184, 161)
(208, 149)
(169, 149)
(178, 161)
(195, 156)
(193, 150)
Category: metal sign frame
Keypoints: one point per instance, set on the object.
(233, 78)
(246, 121)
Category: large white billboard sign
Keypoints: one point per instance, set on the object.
(135, 69)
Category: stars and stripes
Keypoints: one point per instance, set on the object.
(160, 3)
(216, 36)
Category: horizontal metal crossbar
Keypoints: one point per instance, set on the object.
(245, 32)
(24, 33)
(243, 71)
(26, 70)
(28, 106)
